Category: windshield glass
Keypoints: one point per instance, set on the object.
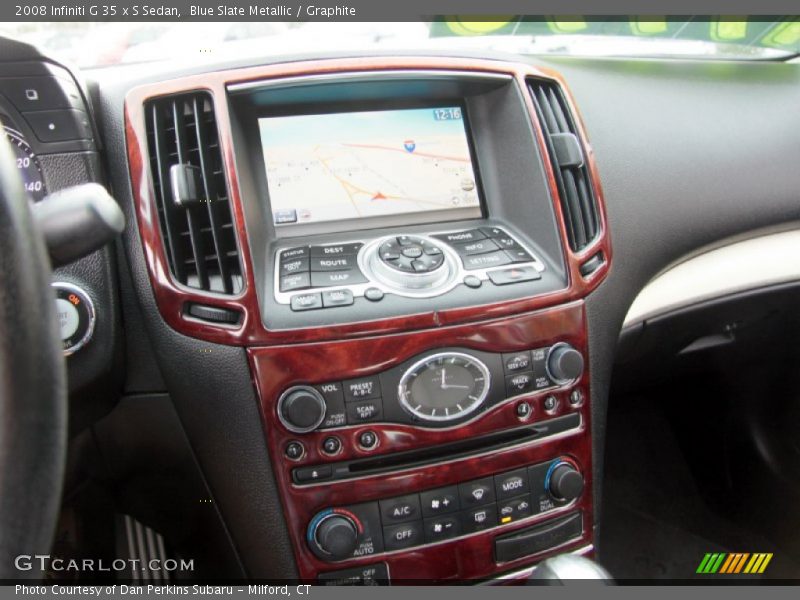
(91, 45)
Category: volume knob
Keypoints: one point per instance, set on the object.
(564, 363)
(301, 409)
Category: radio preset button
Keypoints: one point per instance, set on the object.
(361, 389)
(365, 411)
(367, 440)
(400, 510)
(294, 450)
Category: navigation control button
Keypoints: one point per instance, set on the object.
(294, 253)
(336, 250)
(441, 528)
(438, 502)
(373, 294)
(297, 265)
(461, 236)
(476, 493)
(412, 251)
(333, 263)
(400, 510)
(477, 247)
(306, 302)
(337, 298)
(513, 275)
(337, 278)
(296, 281)
(485, 261)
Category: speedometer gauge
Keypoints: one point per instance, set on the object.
(444, 387)
(28, 165)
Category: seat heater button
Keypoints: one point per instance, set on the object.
(306, 302)
(400, 510)
(402, 536)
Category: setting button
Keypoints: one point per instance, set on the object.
(441, 528)
(400, 510)
(361, 389)
(511, 484)
(439, 502)
(485, 261)
(402, 536)
(476, 493)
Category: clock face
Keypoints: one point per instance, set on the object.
(444, 387)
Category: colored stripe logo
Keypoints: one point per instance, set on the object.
(734, 563)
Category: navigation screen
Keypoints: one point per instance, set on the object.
(355, 165)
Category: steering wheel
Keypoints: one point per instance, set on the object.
(33, 392)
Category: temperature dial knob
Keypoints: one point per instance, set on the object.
(566, 482)
(333, 536)
(301, 409)
(564, 363)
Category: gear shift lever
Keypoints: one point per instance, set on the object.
(569, 568)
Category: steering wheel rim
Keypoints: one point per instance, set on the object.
(33, 396)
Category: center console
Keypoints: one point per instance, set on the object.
(403, 246)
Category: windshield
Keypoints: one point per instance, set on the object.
(91, 45)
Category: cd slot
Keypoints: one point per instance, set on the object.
(445, 452)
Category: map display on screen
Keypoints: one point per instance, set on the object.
(356, 165)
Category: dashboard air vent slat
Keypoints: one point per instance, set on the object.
(191, 193)
(566, 155)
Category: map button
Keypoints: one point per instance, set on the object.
(334, 278)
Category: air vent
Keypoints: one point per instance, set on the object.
(191, 193)
(567, 158)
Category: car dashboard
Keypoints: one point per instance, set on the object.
(391, 390)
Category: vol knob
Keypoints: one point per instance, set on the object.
(564, 363)
(335, 538)
(301, 409)
(566, 482)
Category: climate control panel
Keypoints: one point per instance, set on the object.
(435, 389)
(437, 515)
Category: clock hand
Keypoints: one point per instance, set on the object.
(444, 385)
(455, 387)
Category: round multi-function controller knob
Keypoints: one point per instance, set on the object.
(566, 482)
(564, 363)
(410, 254)
(410, 264)
(333, 537)
(301, 409)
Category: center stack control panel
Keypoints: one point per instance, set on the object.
(413, 266)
